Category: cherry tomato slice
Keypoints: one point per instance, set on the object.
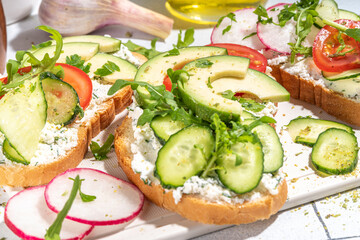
(257, 60)
(80, 81)
(167, 82)
(328, 54)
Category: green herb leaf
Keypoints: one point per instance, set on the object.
(172, 52)
(84, 197)
(232, 18)
(149, 53)
(41, 45)
(100, 152)
(248, 104)
(250, 35)
(53, 233)
(354, 33)
(75, 60)
(203, 63)
(188, 38)
(107, 69)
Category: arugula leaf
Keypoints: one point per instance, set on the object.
(172, 52)
(203, 63)
(53, 233)
(84, 197)
(107, 69)
(100, 152)
(263, 16)
(162, 102)
(41, 45)
(75, 60)
(149, 53)
(12, 67)
(248, 104)
(188, 38)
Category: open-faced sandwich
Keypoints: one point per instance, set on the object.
(54, 101)
(197, 140)
(312, 47)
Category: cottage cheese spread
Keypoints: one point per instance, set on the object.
(145, 149)
(306, 69)
(55, 141)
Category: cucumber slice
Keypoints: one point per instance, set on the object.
(85, 50)
(307, 130)
(11, 154)
(333, 76)
(335, 152)
(181, 157)
(345, 14)
(23, 116)
(127, 69)
(243, 177)
(164, 127)
(327, 9)
(62, 100)
(106, 44)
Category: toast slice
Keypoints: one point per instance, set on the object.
(18, 175)
(192, 206)
(310, 91)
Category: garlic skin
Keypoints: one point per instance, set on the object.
(79, 17)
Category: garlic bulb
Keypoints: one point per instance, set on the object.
(78, 17)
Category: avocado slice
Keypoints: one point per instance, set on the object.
(85, 50)
(107, 44)
(155, 69)
(127, 69)
(202, 92)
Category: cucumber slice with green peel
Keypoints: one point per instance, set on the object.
(242, 170)
(23, 113)
(62, 101)
(127, 69)
(184, 155)
(11, 154)
(327, 9)
(345, 14)
(335, 152)
(85, 50)
(334, 76)
(106, 44)
(164, 127)
(307, 130)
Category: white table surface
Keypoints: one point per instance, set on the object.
(335, 217)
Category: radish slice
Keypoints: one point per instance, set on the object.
(245, 24)
(116, 201)
(277, 38)
(27, 215)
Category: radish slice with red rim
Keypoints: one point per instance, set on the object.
(27, 215)
(277, 38)
(244, 26)
(116, 202)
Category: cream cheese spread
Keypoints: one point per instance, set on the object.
(145, 149)
(55, 141)
(306, 69)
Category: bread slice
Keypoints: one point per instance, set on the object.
(192, 206)
(18, 175)
(334, 103)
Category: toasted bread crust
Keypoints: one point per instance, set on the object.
(191, 206)
(331, 102)
(25, 175)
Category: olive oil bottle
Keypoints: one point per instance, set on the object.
(207, 11)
